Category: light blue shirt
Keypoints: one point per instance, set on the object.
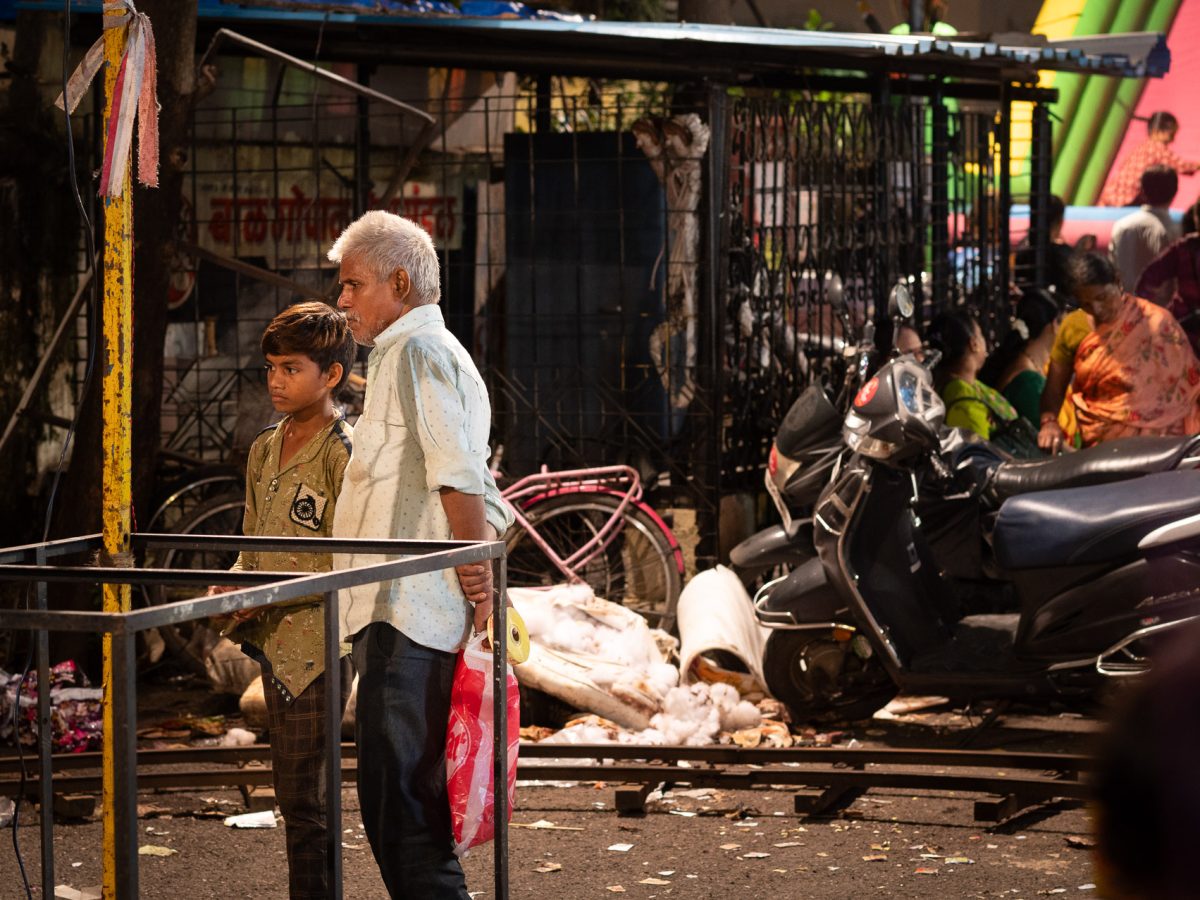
(424, 427)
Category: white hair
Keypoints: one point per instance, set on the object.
(386, 242)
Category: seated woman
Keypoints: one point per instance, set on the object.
(970, 403)
(1017, 367)
(1133, 373)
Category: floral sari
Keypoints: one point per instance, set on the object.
(1136, 375)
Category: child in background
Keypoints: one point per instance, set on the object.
(293, 477)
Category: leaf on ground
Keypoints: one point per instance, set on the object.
(730, 846)
(548, 867)
(875, 857)
(655, 881)
(615, 889)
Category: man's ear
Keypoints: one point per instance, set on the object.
(400, 283)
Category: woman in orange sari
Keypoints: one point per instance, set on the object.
(1134, 372)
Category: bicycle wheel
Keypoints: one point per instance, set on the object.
(185, 493)
(640, 568)
(221, 515)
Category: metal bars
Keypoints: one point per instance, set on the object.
(120, 629)
(908, 183)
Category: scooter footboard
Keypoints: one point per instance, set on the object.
(802, 599)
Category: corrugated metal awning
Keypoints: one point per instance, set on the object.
(644, 48)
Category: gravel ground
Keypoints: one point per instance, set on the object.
(735, 844)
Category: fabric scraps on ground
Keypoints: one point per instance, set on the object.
(604, 659)
(75, 715)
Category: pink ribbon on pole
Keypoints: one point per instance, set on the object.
(135, 98)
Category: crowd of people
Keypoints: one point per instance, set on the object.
(1107, 349)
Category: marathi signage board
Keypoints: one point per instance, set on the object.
(273, 205)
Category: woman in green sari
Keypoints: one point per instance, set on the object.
(1017, 367)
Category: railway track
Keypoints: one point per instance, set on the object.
(824, 778)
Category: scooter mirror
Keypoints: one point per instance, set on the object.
(835, 291)
(900, 301)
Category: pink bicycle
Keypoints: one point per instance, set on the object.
(591, 525)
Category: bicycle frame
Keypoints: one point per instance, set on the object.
(619, 481)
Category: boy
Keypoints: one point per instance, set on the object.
(293, 477)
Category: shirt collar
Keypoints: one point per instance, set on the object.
(417, 317)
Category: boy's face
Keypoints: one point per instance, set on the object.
(295, 382)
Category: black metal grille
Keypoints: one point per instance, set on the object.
(874, 191)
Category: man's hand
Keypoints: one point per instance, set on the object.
(477, 584)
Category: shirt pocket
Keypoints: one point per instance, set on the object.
(378, 448)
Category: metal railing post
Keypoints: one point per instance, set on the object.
(500, 730)
(122, 691)
(116, 451)
(45, 741)
(333, 746)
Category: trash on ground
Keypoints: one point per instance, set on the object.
(548, 867)
(264, 819)
(755, 855)
(238, 737)
(76, 723)
(654, 881)
(1080, 842)
(66, 892)
(543, 824)
(905, 704)
(155, 850)
(621, 848)
(722, 641)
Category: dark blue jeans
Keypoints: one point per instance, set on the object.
(401, 713)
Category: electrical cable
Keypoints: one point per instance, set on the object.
(89, 370)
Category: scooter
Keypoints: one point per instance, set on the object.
(808, 445)
(1100, 574)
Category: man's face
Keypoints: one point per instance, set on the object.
(370, 304)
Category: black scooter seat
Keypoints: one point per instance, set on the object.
(1112, 461)
(1095, 524)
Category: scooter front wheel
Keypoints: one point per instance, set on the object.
(820, 679)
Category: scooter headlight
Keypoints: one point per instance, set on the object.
(875, 448)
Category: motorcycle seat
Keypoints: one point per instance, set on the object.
(1082, 525)
(1112, 461)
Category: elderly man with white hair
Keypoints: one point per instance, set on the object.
(418, 471)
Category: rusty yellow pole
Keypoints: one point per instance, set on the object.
(117, 445)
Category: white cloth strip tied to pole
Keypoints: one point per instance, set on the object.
(135, 97)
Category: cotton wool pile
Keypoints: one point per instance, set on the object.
(624, 657)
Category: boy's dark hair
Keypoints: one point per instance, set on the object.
(1161, 121)
(1159, 185)
(313, 329)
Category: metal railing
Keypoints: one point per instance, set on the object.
(31, 564)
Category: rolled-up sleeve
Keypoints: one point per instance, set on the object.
(438, 416)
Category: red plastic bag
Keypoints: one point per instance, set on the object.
(470, 765)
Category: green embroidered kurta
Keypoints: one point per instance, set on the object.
(295, 500)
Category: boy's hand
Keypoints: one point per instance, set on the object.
(234, 618)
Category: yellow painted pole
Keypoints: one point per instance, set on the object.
(117, 445)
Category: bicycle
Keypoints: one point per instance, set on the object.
(581, 526)
(592, 526)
